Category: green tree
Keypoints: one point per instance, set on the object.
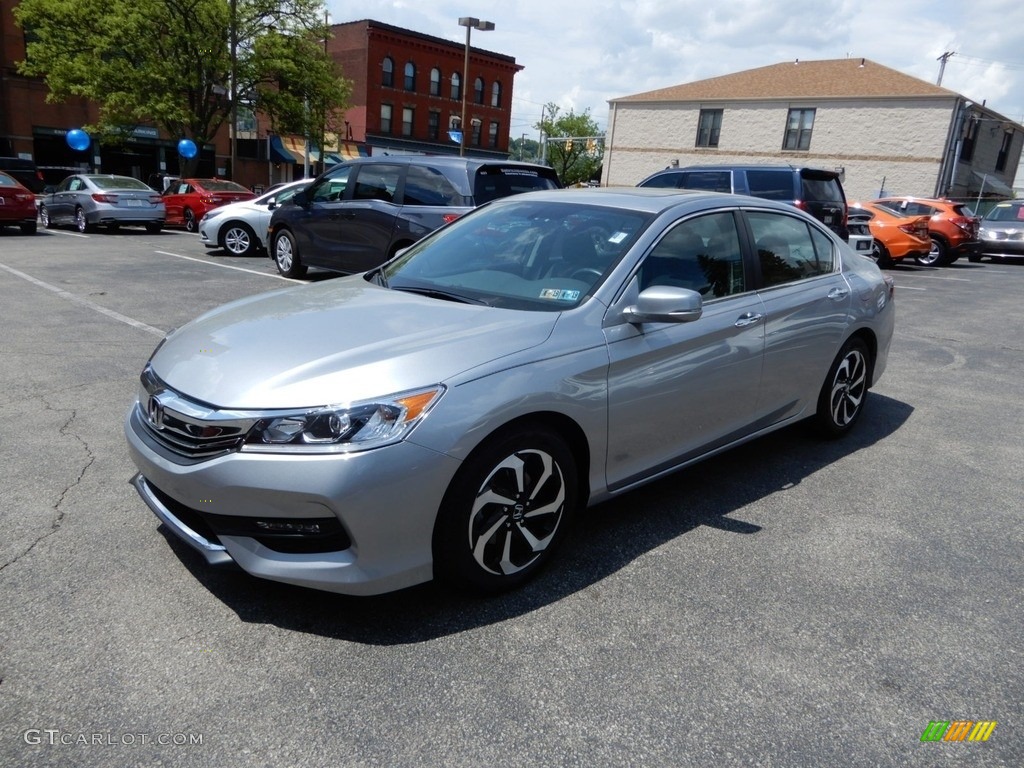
(169, 62)
(574, 158)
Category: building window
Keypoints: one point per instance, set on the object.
(1004, 150)
(496, 94)
(387, 68)
(410, 76)
(477, 129)
(798, 129)
(967, 150)
(456, 86)
(492, 136)
(385, 118)
(433, 125)
(708, 127)
(408, 113)
(435, 82)
(478, 90)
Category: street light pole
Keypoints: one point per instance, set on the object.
(470, 23)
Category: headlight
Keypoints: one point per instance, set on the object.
(341, 429)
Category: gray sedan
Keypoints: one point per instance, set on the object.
(447, 413)
(87, 200)
(1002, 232)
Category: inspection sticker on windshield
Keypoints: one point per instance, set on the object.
(559, 294)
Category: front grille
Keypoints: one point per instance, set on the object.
(187, 428)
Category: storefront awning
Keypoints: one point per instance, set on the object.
(292, 149)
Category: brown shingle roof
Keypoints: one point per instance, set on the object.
(833, 78)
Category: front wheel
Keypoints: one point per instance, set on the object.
(842, 396)
(239, 239)
(505, 511)
(880, 255)
(44, 217)
(286, 255)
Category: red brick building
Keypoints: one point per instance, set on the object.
(407, 91)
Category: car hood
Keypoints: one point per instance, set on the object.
(335, 342)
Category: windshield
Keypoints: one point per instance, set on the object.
(534, 255)
(1006, 212)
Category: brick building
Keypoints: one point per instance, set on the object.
(880, 127)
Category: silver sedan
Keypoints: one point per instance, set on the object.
(241, 228)
(446, 414)
(87, 200)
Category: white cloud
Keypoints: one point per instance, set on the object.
(579, 54)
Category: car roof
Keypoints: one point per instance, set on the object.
(448, 161)
(645, 199)
(746, 167)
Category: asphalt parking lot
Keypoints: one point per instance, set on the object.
(791, 603)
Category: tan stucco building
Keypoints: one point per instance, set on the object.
(882, 128)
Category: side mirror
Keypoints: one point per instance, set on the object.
(301, 198)
(665, 304)
(49, 189)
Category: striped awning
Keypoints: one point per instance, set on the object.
(292, 149)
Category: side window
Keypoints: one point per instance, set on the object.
(773, 185)
(664, 181)
(377, 182)
(787, 250)
(702, 254)
(712, 181)
(75, 185)
(426, 186)
(331, 188)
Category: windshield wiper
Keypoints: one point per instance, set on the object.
(382, 278)
(439, 294)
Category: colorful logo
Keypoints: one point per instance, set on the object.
(958, 730)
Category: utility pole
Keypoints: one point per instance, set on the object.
(942, 66)
(233, 135)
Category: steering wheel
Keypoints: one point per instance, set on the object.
(586, 274)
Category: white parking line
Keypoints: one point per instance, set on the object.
(902, 287)
(940, 277)
(229, 266)
(66, 234)
(86, 303)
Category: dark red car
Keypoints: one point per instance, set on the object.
(188, 200)
(17, 205)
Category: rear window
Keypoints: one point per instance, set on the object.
(773, 185)
(7, 181)
(493, 182)
(119, 182)
(822, 189)
(220, 185)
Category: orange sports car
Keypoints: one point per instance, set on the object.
(895, 237)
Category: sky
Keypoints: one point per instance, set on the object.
(579, 54)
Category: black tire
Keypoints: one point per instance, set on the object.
(113, 227)
(880, 255)
(191, 224)
(44, 216)
(845, 390)
(505, 512)
(285, 253)
(936, 257)
(974, 258)
(82, 223)
(154, 227)
(29, 228)
(238, 239)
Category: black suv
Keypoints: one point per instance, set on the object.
(24, 171)
(359, 214)
(815, 190)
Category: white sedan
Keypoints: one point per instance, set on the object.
(241, 228)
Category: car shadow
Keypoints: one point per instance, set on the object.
(604, 539)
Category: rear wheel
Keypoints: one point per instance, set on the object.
(286, 255)
(191, 225)
(29, 228)
(974, 258)
(82, 223)
(842, 396)
(239, 239)
(936, 256)
(154, 227)
(505, 511)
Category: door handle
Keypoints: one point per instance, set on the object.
(747, 318)
(839, 293)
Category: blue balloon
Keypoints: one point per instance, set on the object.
(78, 139)
(187, 148)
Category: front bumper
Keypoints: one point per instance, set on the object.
(386, 501)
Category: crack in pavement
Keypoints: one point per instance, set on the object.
(65, 430)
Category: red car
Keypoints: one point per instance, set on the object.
(188, 200)
(17, 205)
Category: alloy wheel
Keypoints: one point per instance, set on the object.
(283, 253)
(517, 512)
(849, 385)
(237, 240)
